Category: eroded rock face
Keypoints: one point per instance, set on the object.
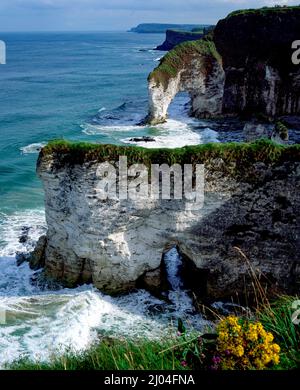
(37, 257)
(255, 73)
(256, 52)
(262, 220)
(202, 76)
(115, 243)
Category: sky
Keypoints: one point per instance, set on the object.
(116, 15)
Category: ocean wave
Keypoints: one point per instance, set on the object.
(42, 322)
(32, 148)
(12, 227)
(175, 134)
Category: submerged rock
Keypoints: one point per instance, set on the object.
(37, 257)
(280, 134)
(24, 235)
(142, 139)
(22, 258)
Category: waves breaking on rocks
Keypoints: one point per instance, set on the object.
(40, 322)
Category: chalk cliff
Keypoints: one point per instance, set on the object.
(254, 72)
(251, 201)
(194, 67)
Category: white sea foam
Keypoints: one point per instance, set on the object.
(180, 298)
(175, 134)
(41, 322)
(178, 131)
(32, 148)
(12, 228)
(95, 129)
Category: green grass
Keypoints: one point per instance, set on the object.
(238, 157)
(169, 354)
(264, 11)
(276, 318)
(176, 59)
(187, 33)
(112, 355)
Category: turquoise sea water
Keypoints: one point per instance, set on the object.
(80, 86)
(52, 86)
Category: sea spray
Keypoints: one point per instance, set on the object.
(43, 322)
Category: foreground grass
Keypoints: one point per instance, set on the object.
(112, 355)
(277, 318)
(179, 352)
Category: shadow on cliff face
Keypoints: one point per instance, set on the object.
(263, 221)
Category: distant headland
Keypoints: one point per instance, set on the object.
(158, 28)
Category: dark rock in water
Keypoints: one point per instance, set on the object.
(280, 133)
(174, 38)
(155, 282)
(142, 139)
(37, 257)
(22, 258)
(24, 235)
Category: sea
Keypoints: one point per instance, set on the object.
(88, 87)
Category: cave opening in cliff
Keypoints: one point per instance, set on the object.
(185, 281)
(180, 106)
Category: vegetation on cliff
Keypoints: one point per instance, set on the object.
(181, 55)
(244, 154)
(265, 11)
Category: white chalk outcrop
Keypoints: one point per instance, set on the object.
(201, 75)
(114, 243)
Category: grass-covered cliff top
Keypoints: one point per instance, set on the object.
(265, 11)
(177, 58)
(185, 33)
(243, 154)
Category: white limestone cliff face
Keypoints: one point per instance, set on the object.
(111, 243)
(114, 243)
(161, 98)
(202, 79)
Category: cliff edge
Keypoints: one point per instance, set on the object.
(115, 243)
(175, 37)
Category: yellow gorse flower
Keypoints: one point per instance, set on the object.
(245, 345)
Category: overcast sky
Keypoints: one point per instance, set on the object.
(80, 15)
